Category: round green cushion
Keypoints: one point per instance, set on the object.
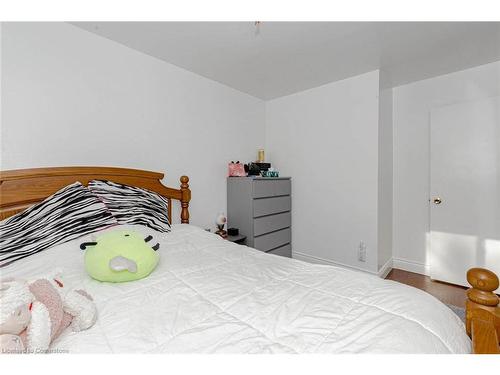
(126, 244)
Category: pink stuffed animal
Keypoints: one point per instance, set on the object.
(36, 314)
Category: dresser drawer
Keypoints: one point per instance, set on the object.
(273, 240)
(266, 224)
(284, 251)
(271, 188)
(268, 206)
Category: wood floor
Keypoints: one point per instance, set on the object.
(447, 293)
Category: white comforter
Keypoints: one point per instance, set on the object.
(209, 295)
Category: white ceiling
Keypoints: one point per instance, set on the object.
(281, 58)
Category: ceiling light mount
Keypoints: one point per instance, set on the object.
(257, 25)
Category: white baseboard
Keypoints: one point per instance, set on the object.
(411, 266)
(402, 264)
(313, 259)
(385, 269)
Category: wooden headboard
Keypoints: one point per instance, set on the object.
(21, 188)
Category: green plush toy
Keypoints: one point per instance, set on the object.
(120, 256)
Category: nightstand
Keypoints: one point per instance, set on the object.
(239, 239)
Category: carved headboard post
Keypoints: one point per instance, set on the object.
(482, 311)
(185, 198)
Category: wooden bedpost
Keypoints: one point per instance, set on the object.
(482, 311)
(186, 197)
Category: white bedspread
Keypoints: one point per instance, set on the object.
(209, 295)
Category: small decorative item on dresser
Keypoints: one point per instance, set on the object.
(236, 169)
(270, 173)
(252, 169)
(263, 166)
(221, 221)
(260, 156)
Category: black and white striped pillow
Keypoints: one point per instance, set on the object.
(70, 213)
(133, 205)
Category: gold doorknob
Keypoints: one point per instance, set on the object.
(437, 200)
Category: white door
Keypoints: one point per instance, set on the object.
(465, 189)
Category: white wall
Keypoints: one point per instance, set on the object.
(326, 138)
(66, 95)
(385, 179)
(70, 97)
(412, 106)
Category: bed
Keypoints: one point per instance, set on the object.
(209, 295)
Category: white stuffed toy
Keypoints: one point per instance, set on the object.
(15, 315)
(34, 314)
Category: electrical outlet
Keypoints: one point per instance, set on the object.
(362, 252)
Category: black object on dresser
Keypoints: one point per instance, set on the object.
(261, 209)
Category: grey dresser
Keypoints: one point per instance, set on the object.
(261, 209)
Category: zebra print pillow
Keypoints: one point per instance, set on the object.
(133, 205)
(70, 213)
